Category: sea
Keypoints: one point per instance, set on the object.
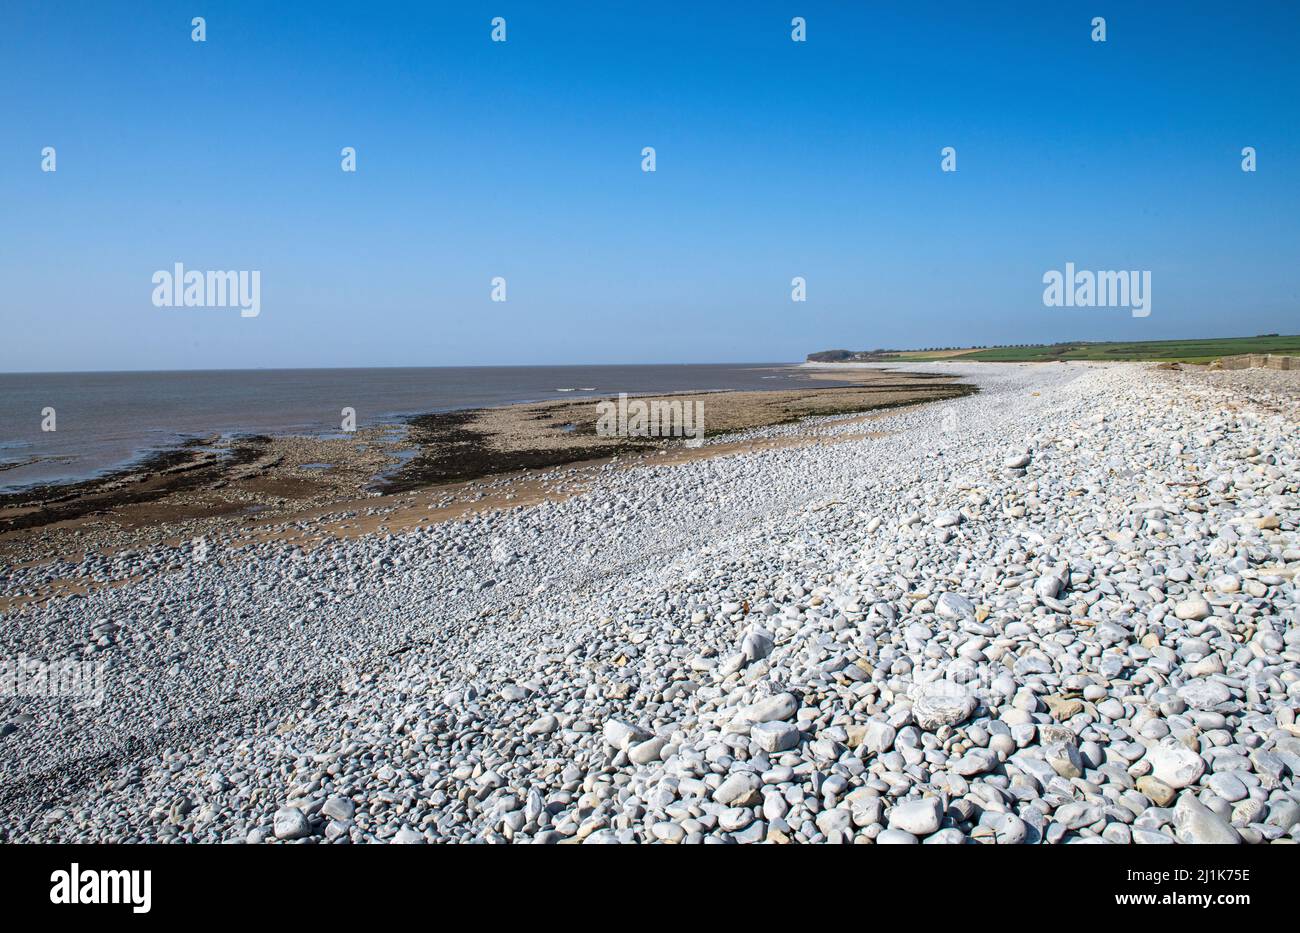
(106, 420)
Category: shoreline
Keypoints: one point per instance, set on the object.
(155, 459)
(389, 397)
(221, 485)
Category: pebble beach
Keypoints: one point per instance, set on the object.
(1062, 609)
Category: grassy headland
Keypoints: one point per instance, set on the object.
(1169, 351)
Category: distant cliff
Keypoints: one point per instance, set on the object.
(849, 356)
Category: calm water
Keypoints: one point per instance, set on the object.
(107, 419)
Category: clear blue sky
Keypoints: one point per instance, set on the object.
(522, 159)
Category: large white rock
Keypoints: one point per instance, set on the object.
(1192, 609)
(291, 823)
(738, 790)
(768, 709)
(642, 753)
(1204, 694)
(976, 761)
(775, 736)
(918, 817)
(623, 735)
(542, 725)
(932, 710)
(879, 737)
(866, 806)
(1197, 824)
(756, 645)
(953, 606)
(1048, 586)
(1176, 765)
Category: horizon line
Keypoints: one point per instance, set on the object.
(247, 369)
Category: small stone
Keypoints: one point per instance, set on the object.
(1283, 813)
(952, 606)
(1048, 586)
(1160, 793)
(621, 735)
(879, 737)
(741, 789)
(918, 817)
(1227, 785)
(1063, 708)
(735, 818)
(1198, 824)
(668, 832)
(837, 820)
(976, 761)
(1148, 837)
(291, 823)
(339, 808)
(542, 725)
(771, 709)
(1204, 694)
(865, 806)
(756, 645)
(645, 752)
(1064, 758)
(1010, 830)
(774, 737)
(896, 837)
(1192, 609)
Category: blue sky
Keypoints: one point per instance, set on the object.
(523, 159)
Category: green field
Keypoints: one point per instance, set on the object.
(1172, 351)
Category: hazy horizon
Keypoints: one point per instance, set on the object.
(522, 159)
(562, 364)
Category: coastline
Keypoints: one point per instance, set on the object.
(237, 485)
(614, 624)
(110, 421)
